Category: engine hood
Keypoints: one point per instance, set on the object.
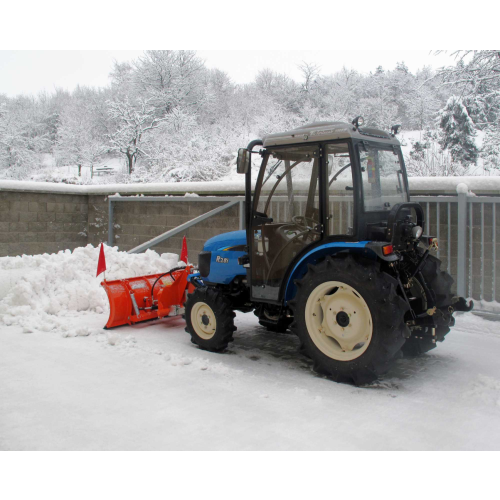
(226, 240)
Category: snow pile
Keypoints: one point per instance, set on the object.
(51, 291)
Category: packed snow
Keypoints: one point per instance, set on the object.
(67, 384)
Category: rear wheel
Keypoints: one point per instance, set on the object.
(209, 319)
(349, 318)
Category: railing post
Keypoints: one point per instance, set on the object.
(462, 190)
(242, 214)
(110, 222)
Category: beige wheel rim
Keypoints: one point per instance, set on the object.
(203, 320)
(339, 321)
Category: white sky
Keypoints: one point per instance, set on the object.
(30, 71)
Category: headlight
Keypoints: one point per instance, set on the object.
(358, 121)
(417, 232)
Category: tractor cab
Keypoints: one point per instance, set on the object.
(324, 182)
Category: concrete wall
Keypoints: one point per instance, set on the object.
(33, 223)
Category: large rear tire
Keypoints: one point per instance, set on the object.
(349, 318)
(440, 282)
(209, 319)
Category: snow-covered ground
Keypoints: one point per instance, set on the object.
(50, 172)
(68, 384)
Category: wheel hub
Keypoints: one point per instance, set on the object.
(203, 320)
(338, 320)
(342, 319)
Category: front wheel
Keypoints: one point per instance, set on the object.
(209, 319)
(349, 318)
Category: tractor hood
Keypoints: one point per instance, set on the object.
(226, 240)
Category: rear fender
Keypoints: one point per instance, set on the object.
(319, 253)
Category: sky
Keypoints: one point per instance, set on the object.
(30, 71)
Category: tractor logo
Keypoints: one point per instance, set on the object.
(222, 260)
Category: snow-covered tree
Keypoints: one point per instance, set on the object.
(476, 78)
(477, 72)
(170, 79)
(458, 132)
(78, 144)
(23, 137)
(133, 121)
(490, 152)
(80, 135)
(310, 73)
(427, 159)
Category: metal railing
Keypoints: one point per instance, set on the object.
(230, 202)
(476, 258)
(464, 225)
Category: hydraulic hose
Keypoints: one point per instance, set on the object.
(160, 277)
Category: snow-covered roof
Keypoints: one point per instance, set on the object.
(328, 131)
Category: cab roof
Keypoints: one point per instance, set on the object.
(328, 131)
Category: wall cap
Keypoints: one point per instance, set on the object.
(418, 186)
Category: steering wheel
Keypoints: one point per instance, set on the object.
(303, 222)
(298, 227)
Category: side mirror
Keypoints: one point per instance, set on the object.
(243, 163)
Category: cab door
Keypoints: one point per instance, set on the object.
(285, 216)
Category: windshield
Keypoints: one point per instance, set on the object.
(287, 176)
(382, 174)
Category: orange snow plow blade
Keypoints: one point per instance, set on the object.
(133, 300)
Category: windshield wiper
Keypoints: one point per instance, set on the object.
(338, 173)
(272, 170)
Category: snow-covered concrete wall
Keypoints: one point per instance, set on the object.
(45, 217)
(418, 185)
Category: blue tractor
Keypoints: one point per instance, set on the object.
(333, 252)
